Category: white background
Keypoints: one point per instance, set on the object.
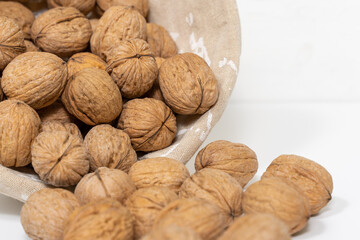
(298, 92)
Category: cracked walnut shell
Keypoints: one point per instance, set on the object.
(313, 179)
(106, 219)
(173, 232)
(161, 171)
(37, 78)
(84, 6)
(140, 5)
(160, 41)
(104, 183)
(188, 84)
(236, 159)
(44, 214)
(80, 61)
(19, 125)
(92, 96)
(145, 204)
(281, 198)
(133, 67)
(109, 147)
(150, 124)
(62, 31)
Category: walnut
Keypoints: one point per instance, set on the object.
(132, 67)
(172, 232)
(106, 219)
(188, 84)
(37, 78)
(11, 41)
(150, 124)
(117, 24)
(19, 125)
(52, 126)
(62, 31)
(109, 147)
(84, 6)
(214, 186)
(160, 41)
(92, 96)
(163, 172)
(21, 14)
(313, 179)
(280, 198)
(55, 112)
(259, 226)
(140, 5)
(94, 22)
(104, 183)
(205, 218)
(155, 91)
(145, 204)
(80, 61)
(30, 46)
(44, 214)
(59, 157)
(236, 159)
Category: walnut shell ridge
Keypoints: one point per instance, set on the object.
(80, 61)
(160, 41)
(84, 6)
(37, 78)
(133, 67)
(188, 84)
(150, 124)
(19, 125)
(173, 232)
(140, 5)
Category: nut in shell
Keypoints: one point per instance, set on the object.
(44, 214)
(84, 6)
(236, 159)
(80, 61)
(19, 125)
(173, 232)
(188, 84)
(53, 126)
(150, 124)
(313, 179)
(55, 112)
(140, 5)
(160, 41)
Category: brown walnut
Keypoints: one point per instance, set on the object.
(133, 67)
(19, 125)
(140, 5)
(155, 91)
(62, 31)
(92, 96)
(160, 41)
(236, 159)
(30, 46)
(55, 112)
(313, 179)
(150, 124)
(84, 6)
(44, 214)
(188, 84)
(80, 61)
(52, 126)
(37, 78)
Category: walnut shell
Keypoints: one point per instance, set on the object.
(106, 219)
(133, 67)
(162, 172)
(140, 5)
(313, 179)
(60, 158)
(214, 186)
(188, 84)
(44, 214)
(94, 22)
(145, 204)
(150, 124)
(104, 183)
(236, 159)
(62, 31)
(52, 126)
(11, 41)
(258, 226)
(92, 96)
(155, 91)
(160, 41)
(30, 46)
(55, 112)
(37, 78)
(172, 232)
(19, 125)
(117, 24)
(205, 218)
(80, 61)
(84, 6)
(21, 14)
(109, 147)
(280, 198)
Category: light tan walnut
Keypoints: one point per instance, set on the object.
(44, 214)
(140, 5)
(30, 46)
(84, 6)
(160, 41)
(19, 125)
(172, 232)
(80, 61)
(155, 91)
(55, 112)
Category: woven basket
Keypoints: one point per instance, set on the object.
(209, 28)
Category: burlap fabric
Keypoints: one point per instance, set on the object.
(209, 28)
